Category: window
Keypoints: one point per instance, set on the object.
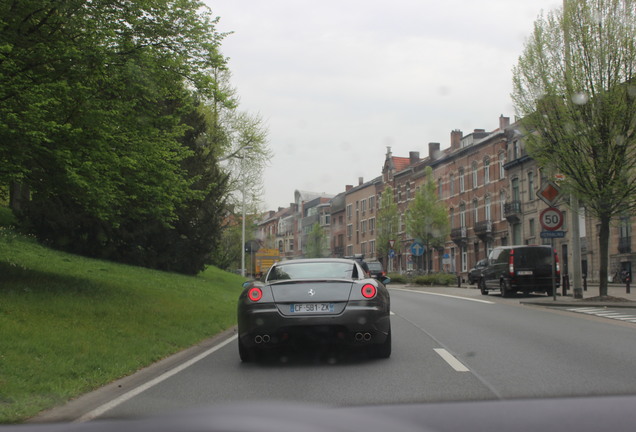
(531, 186)
(515, 189)
(531, 226)
(439, 188)
(371, 225)
(363, 226)
(451, 218)
(487, 212)
(363, 203)
(461, 180)
(486, 170)
(349, 211)
(408, 191)
(464, 259)
(475, 179)
(624, 227)
(371, 203)
(451, 181)
(502, 159)
(502, 203)
(349, 231)
(475, 211)
(372, 246)
(462, 215)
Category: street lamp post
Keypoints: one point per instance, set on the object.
(243, 212)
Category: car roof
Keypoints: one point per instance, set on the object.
(316, 260)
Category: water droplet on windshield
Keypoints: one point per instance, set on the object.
(580, 98)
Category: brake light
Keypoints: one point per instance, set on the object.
(255, 294)
(511, 263)
(557, 268)
(369, 291)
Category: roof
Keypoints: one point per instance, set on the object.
(401, 163)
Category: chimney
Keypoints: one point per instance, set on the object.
(456, 138)
(504, 122)
(414, 157)
(360, 181)
(433, 150)
(348, 188)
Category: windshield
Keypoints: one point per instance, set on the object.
(209, 202)
(315, 270)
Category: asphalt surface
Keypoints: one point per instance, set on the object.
(450, 344)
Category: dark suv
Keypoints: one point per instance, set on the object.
(511, 269)
(375, 269)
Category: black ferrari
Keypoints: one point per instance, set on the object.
(308, 302)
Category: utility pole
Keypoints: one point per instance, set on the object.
(575, 236)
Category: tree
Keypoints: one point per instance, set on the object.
(315, 242)
(386, 223)
(106, 143)
(574, 86)
(427, 217)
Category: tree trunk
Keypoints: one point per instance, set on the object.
(604, 254)
(19, 195)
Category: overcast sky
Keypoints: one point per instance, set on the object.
(337, 81)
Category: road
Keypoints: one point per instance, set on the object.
(451, 344)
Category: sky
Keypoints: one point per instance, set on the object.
(337, 81)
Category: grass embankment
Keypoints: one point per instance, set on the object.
(70, 324)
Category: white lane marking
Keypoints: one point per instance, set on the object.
(605, 313)
(445, 295)
(142, 388)
(451, 360)
(391, 313)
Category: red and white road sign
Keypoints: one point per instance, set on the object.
(551, 219)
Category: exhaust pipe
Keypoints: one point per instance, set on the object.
(261, 339)
(366, 337)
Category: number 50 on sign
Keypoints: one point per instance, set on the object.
(551, 219)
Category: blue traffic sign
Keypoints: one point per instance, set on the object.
(552, 234)
(417, 249)
(391, 253)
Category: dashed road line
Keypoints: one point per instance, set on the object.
(451, 360)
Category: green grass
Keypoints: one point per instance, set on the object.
(70, 324)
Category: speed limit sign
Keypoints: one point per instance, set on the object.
(551, 219)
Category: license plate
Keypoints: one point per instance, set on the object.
(524, 272)
(311, 308)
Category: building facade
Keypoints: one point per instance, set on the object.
(489, 185)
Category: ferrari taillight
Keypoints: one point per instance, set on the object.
(255, 294)
(369, 291)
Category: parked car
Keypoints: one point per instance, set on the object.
(475, 273)
(312, 302)
(375, 269)
(526, 269)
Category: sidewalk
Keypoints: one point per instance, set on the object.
(617, 297)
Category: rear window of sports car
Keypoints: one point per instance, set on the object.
(311, 271)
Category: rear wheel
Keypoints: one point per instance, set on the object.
(384, 349)
(504, 289)
(245, 354)
(482, 287)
